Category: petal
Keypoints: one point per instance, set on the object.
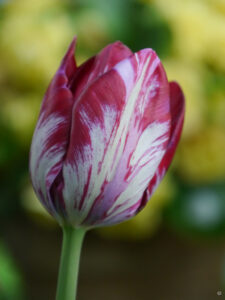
(177, 107)
(120, 130)
(60, 83)
(97, 66)
(51, 135)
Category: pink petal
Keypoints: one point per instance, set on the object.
(51, 135)
(177, 107)
(110, 158)
(97, 66)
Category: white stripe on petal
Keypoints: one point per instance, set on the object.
(145, 161)
(93, 158)
(127, 115)
(126, 72)
(44, 158)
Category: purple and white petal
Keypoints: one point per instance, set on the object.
(119, 145)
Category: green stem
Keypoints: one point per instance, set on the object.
(69, 263)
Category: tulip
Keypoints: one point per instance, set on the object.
(105, 137)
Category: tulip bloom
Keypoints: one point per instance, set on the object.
(105, 137)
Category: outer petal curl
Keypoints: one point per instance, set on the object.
(50, 139)
(177, 108)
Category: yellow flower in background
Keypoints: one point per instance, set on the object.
(201, 158)
(92, 30)
(33, 39)
(148, 220)
(216, 108)
(20, 113)
(33, 7)
(198, 29)
(190, 78)
(217, 5)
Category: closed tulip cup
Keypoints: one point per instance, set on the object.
(105, 137)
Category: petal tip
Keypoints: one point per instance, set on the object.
(68, 64)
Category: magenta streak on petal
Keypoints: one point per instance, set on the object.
(128, 210)
(126, 171)
(56, 194)
(124, 215)
(132, 171)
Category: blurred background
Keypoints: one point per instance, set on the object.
(175, 248)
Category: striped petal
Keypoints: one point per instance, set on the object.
(119, 134)
(177, 107)
(51, 135)
(97, 66)
(106, 134)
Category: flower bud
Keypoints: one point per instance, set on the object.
(105, 137)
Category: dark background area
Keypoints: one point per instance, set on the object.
(164, 267)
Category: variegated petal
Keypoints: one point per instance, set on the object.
(177, 107)
(119, 134)
(50, 139)
(96, 66)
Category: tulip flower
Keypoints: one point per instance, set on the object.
(105, 137)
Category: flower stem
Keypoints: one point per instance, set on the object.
(69, 263)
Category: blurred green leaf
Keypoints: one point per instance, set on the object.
(147, 29)
(11, 282)
(13, 167)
